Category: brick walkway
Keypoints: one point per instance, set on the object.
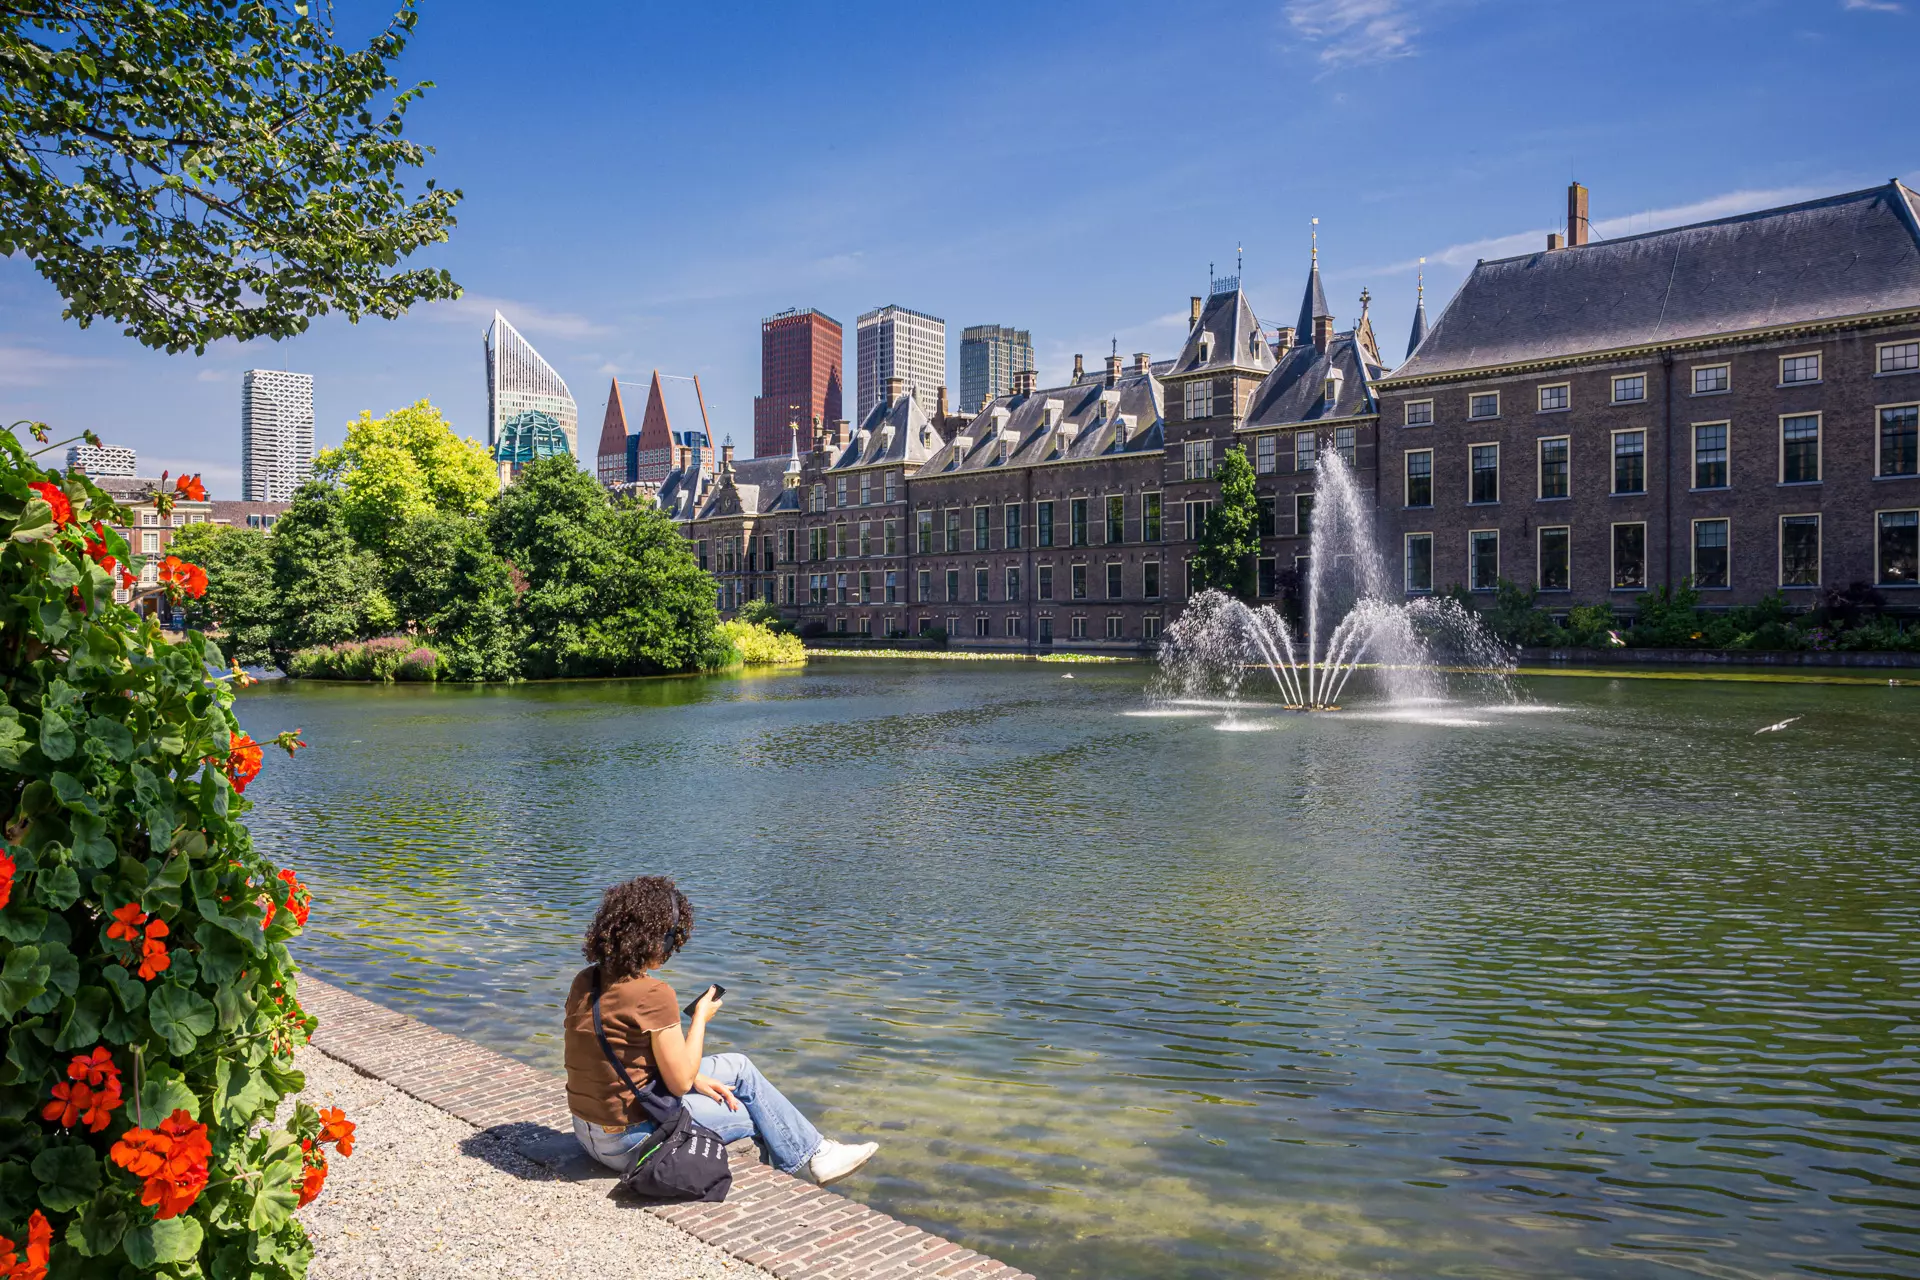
(789, 1227)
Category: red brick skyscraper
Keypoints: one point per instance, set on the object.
(800, 353)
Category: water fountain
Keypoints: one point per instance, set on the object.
(1350, 619)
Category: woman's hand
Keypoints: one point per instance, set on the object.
(706, 1006)
(714, 1089)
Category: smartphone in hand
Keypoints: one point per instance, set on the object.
(718, 992)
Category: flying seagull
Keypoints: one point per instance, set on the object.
(1775, 728)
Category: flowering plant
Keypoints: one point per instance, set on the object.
(148, 1004)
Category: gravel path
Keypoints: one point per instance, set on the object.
(426, 1196)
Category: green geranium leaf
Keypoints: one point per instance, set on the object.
(69, 1174)
(239, 1094)
(56, 736)
(206, 900)
(277, 1193)
(113, 735)
(164, 1093)
(129, 990)
(57, 886)
(13, 738)
(63, 977)
(18, 1190)
(86, 1016)
(21, 923)
(22, 978)
(180, 1015)
(28, 1055)
(234, 1003)
(91, 848)
(127, 1027)
(35, 523)
(73, 793)
(154, 1243)
(97, 1231)
(221, 955)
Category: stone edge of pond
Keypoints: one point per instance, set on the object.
(771, 1220)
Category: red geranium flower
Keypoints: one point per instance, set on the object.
(243, 760)
(56, 498)
(154, 959)
(39, 1246)
(190, 488)
(126, 923)
(337, 1129)
(6, 879)
(315, 1175)
(97, 548)
(172, 1159)
(299, 901)
(96, 1068)
(179, 575)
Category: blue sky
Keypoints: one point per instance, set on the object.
(645, 182)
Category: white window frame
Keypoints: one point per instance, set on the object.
(1819, 368)
(1693, 378)
(1201, 451)
(1780, 551)
(1819, 448)
(1298, 498)
(1877, 576)
(1693, 455)
(1483, 502)
(1613, 468)
(1879, 439)
(1539, 559)
(1613, 548)
(1693, 548)
(1540, 469)
(1618, 378)
(1880, 350)
(1540, 401)
(1266, 454)
(1406, 583)
(1472, 396)
(1407, 420)
(1406, 480)
(1197, 399)
(1471, 535)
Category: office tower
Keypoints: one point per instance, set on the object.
(519, 380)
(100, 460)
(990, 354)
(276, 434)
(800, 380)
(894, 342)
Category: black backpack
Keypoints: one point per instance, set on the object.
(682, 1160)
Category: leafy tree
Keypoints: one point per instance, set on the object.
(329, 588)
(240, 599)
(1230, 539)
(445, 578)
(406, 465)
(207, 169)
(612, 587)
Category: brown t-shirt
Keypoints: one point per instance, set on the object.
(629, 1010)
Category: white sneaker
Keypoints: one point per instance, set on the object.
(835, 1160)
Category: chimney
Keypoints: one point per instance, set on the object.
(1555, 241)
(1322, 333)
(1283, 337)
(1113, 370)
(1193, 312)
(726, 456)
(680, 453)
(1079, 367)
(896, 387)
(842, 432)
(941, 402)
(1142, 362)
(1023, 381)
(1576, 214)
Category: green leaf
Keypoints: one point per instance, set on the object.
(56, 736)
(164, 1093)
(57, 886)
(28, 1054)
(13, 738)
(155, 1243)
(18, 1191)
(129, 990)
(206, 900)
(240, 1094)
(22, 978)
(113, 735)
(127, 1027)
(22, 923)
(221, 955)
(69, 1175)
(97, 1231)
(35, 523)
(73, 793)
(277, 1193)
(163, 891)
(180, 1015)
(234, 1003)
(63, 976)
(86, 1016)
(91, 848)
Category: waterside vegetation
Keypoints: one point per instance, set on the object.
(1853, 618)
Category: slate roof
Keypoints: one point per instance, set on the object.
(1843, 255)
(1295, 392)
(1232, 335)
(683, 490)
(758, 486)
(889, 434)
(1418, 334)
(1313, 303)
(1058, 424)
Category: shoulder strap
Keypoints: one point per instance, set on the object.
(648, 1100)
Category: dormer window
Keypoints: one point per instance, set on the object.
(1206, 349)
(1330, 393)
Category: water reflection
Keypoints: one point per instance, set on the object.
(1602, 984)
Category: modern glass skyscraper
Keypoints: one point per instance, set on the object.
(276, 434)
(990, 354)
(894, 342)
(519, 380)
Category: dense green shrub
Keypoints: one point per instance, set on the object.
(385, 659)
(147, 997)
(754, 645)
(1849, 618)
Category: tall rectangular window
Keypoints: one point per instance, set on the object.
(1555, 480)
(841, 548)
(1897, 549)
(816, 543)
(1710, 455)
(1800, 368)
(1800, 551)
(1043, 524)
(1555, 398)
(1629, 557)
(892, 528)
(1346, 443)
(982, 528)
(840, 491)
(1710, 565)
(866, 537)
(1800, 448)
(1899, 438)
(1419, 477)
(1304, 449)
(1419, 413)
(892, 488)
(1197, 513)
(1483, 559)
(925, 585)
(866, 489)
(1629, 462)
(1046, 582)
(953, 530)
(1113, 579)
(1269, 521)
(1711, 379)
(1303, 515)
(1486, 404)
(980, 577)
(819, 498)
(866, 588)
(1199, 459)
(1266, 576)
(1150, 579)
(1556, 558)
(1629, 387)
(953, 586)
(1419, 563)
(923, 534)
(1012, 526)
(1485, 462)
(1013, 583)
(1199, 399)
(1079, 582)
(1266, 454)
(1149, 517)
(1116, 518)
(1077, 512)
(1899, 357)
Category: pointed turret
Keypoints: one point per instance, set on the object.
(1419, 332)
(1313, 305)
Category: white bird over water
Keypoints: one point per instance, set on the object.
(1775, 728)
(1067, 676)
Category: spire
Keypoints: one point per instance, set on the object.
(1313, 306)
(1419, 333)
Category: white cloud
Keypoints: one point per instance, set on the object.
(1349, 33)
(35, 367)
(1873, 6)
(478, 309)
(211, 375)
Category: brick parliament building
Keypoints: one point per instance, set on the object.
(1734, 403)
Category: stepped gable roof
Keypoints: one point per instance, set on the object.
(1295, 392)
(757, 489)
(1313, 304)
(1827, 259)
(890, 434)
(1059, 424)
(1229, 334)
(613, 427)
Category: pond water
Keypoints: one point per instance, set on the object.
(1598, 983)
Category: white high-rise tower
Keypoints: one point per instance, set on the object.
(519, 380)
(894, 342)
(276, 434)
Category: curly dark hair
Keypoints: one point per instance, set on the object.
(639, 925)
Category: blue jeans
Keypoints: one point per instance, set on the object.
(790, 1139)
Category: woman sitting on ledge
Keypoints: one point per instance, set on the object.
(639, 926)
